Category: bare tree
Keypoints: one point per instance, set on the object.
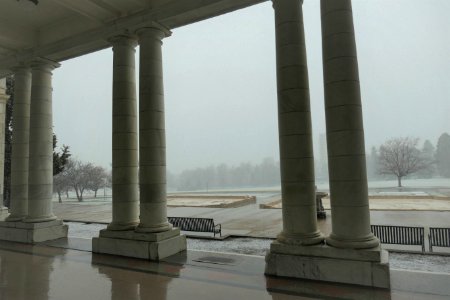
(400, 157)
(96, 178)
(61, 184)
(77, 173)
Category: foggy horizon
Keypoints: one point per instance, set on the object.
(220, 84)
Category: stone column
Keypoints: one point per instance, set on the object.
(345, 132)
(40, 178)
(152, 140)
(20, 145)
(124, 136)
(295, 131)
(3, 99)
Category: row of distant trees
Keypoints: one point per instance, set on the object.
(266, 173)
(402, 157)
(79, 177)
(399, 157)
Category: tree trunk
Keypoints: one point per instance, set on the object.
(67, 194)
(59, 197)
(399, 180)
(95, 194)
(81, 195)
(77, 193)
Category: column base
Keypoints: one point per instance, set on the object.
(32, 232)
(368, 242)
(369, 267)
(14, 218)
(40, 219)
(299, 240)
(115, 226)
(3, 213)
(154, 228)
(150, 246)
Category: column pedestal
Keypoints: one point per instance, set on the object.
(151, 246)
(4, 213)
(32, 232)
(324, 263)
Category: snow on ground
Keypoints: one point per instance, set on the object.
(256, 246)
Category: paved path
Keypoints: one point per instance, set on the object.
(250, 220)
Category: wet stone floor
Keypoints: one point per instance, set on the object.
(260, 246)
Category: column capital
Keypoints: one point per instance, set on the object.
(23, 67)
(44, 64)
(123, 40)
(275, 3)
(155, 30)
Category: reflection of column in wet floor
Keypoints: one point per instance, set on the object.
(295, 129)
(20, 144)
(345, 131)
(38, 277)
(13, 273)
(155, 288)
(123, 285)
(125, 205)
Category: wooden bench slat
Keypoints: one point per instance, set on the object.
(401, 235)
(439, 237)
(196, 224)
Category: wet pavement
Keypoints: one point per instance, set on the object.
(41, 272)
(260, 246)
(250, 220)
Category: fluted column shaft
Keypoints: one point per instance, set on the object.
(295, 130)
(125, 205)
(20, 145)
(40, 177)
(3, 99)
(152, 140)
(345, 132)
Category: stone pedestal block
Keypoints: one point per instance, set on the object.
(3, 213)
(368, 267)
(32, 232)
(151, 246)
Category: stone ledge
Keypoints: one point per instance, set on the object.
(4, 212)
(33, 235)
(373, 254)
(137, 236)
(151, 250)
(24, 225)
(341, 270)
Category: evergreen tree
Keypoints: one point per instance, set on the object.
(60, 159)
(443, 155)
(428, 154)
(8, 138)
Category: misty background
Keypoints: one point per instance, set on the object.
(220, 88)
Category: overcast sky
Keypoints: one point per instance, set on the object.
(220, 86)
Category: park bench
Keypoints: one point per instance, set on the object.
(439, 237)
(400, 235)
(196, 224)
(319, 206)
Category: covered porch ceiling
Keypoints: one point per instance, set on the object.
(63, 29)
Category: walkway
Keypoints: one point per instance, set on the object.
(44, 272)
